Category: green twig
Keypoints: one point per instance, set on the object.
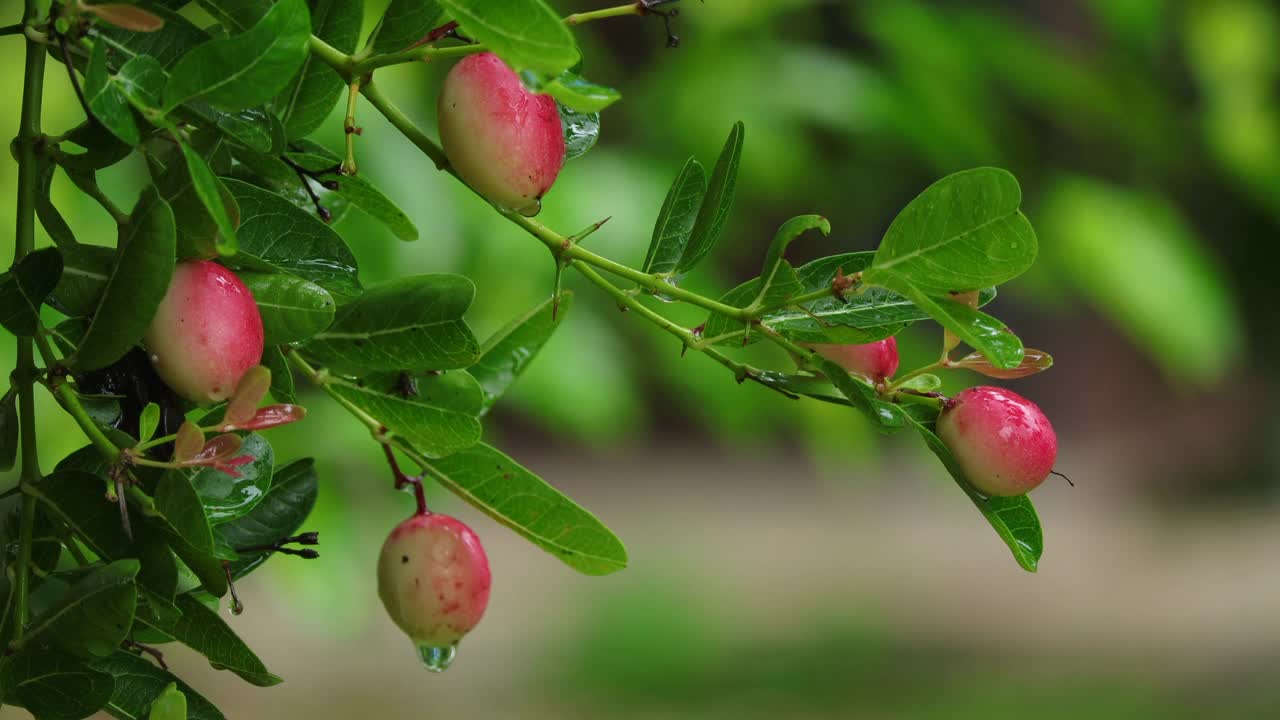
(24, 242)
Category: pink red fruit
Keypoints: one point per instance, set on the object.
(206, 333)
(1002, 441)
(433, 578)
(874, 361)
(506, 142)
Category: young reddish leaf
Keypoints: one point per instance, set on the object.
(222, 446)
(229, 466)
(189, 442)
(126, 17)
(1033, 361)
(273, 416)
(253, 386)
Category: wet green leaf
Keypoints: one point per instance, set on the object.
(293, 309)
(713, 215)
(577, 93)
(581, 131)
(982, 332)
(412, 323)
(202, 630)
(226, 497)
(676, 219)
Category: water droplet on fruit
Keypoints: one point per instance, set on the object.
(532, 209)
(437, 658)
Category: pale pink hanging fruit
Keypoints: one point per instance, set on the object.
(433, 578)
(506, 142)
(206, 332)
(1003, 442)
(874, 361)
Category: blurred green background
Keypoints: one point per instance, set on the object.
(785, 561)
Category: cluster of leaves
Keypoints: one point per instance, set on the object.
(221, 115)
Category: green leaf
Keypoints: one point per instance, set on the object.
(280, 514)
(308, 98)
(8, 432)
(404, 23)
(982, 332)
(783, 285)
(213, 196)
(166, 44)
(884, 416)
(73, 495)
(277, 236)
(53, 686)
(138, 682)
(364, 195)
(93, 616)
(676, 219)
(50, 218)
(144, 263)
(202, 630)
(292, 309)
(510, 350)
(236, 15)
(502, 489)
(440, 419)
(1014, 518)
(182, 519)
(247, 69)
(148, 421)
(412, 323)
(577, 93)
(199, 232)
(964, 232)
(581, 131)
(85, 271)
(718, 201)
(790, 230)
(526, 34)
(102, 149)
(24, 289)
(141, 81)
(105, 99)
(171, 704)
(281, 375)
(355, 189)
(255, 128)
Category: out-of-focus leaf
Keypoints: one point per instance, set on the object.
(170, 704)
(1140, 264)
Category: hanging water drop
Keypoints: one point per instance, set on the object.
(437, 658)
(532, 209)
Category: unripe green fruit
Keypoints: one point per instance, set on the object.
(1002, 441)
(433, 578)
(874, 361)
(504, 141)
(206, 332)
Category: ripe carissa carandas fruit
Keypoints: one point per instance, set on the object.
(433, 578)
(206, 333)
(1003, 442)
(874, 361)
(506, 142)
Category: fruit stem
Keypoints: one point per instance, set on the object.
(349, 126)
(419, 494)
